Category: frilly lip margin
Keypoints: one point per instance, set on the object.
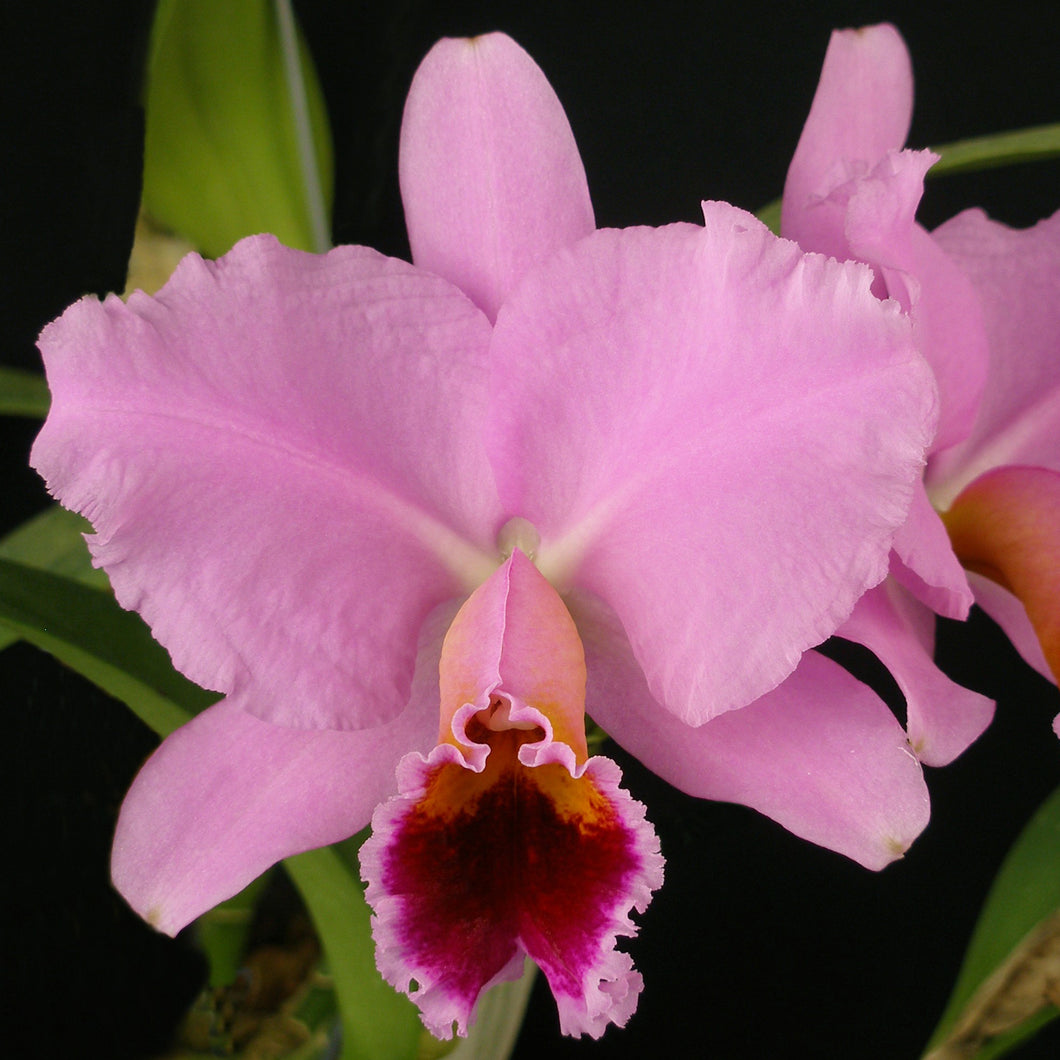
(608, 986)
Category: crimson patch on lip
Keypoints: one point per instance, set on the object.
(471, 871)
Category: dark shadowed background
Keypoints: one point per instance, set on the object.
(759, 945)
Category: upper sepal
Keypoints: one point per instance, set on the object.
(491, 177)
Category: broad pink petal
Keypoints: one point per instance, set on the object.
(482, 859)
(228, 795)
(942, 718)
(948, 320)
(924, 561)
(861, 110)
(735, 439)
(822, 755)
(1016, 273)
(1006, 526)
(275, 453)
(491, 177)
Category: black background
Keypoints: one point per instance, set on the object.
(759, 945)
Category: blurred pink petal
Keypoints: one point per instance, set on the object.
(1006, 527)
(1017, 275)
(729, 485)
(985, 306)
(482, 117)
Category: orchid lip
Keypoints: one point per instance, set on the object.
(508, 840)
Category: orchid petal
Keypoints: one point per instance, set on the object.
(862, 109)
(736, 438)
(948, 320)
(942, 718)
(924, 562)
(275, 455)
(1006, 526)
(821, 755)
(491, 177)
(1017, 276)
(228, 795)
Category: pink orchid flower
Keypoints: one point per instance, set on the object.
(985, 305)
(414, 521)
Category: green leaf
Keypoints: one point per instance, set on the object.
(999, 149)
(222, 932)
(769, 215)
(1001, 993)
(51, 541)
(23, 393)
(86, 629)
(378, 1023)
(237, 139)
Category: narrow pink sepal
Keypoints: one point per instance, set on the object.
(924, 561)
(275, 455)
(1016, 273)
(942, 718)
(647, 486)
(228, 795)
(491, 178)
(861, 110)
(822, 755)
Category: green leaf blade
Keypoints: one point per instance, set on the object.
(237, 138)
(51, 541)
(377, 1022)
(85, 628)
(23, 393)
(1002, 991)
